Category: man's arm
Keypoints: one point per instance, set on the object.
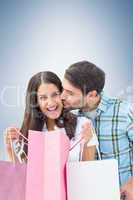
(127, 188)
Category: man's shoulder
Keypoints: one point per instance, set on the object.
(116, 103)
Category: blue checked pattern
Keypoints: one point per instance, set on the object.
(114, 127)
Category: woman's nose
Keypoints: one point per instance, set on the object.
(50, 101)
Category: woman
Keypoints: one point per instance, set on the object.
(44, 111)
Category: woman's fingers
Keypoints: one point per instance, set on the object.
(11, 134)
(86, 132)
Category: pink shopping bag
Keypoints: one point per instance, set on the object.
(12, 181)
(46, 167)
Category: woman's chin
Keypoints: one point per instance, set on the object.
(55, 115)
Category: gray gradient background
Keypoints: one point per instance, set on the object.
(39, 35)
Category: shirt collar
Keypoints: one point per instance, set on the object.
(104, 103)
(102, 107)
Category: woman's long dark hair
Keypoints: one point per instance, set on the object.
(34, 119)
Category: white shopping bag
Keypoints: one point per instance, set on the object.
(93, 180)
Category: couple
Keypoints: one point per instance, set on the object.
(45, 112)
(83, 89)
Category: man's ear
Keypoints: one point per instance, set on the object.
(92, 94)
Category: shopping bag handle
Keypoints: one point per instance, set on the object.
(11, 142)
(21, 135)
(82, 146)
(75, 144)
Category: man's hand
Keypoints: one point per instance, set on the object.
(127, 189)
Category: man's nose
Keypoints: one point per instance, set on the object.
(63, 96)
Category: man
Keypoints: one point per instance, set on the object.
(113, 119)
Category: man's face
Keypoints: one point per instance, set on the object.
(71, 96)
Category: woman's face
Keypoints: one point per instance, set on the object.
(49, 100)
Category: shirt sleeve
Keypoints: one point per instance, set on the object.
(130, 123)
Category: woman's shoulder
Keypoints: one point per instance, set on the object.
(82, 120)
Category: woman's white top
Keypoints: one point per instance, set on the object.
(74, 154)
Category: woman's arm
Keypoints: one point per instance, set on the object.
(88, 153)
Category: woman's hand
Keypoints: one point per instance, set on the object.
(86, 132)
(87, 153)
(11, 133)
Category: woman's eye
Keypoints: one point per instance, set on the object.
(56, 94)
(42, 98)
